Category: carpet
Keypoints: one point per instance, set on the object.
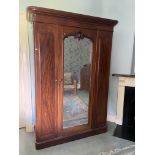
(75, 111)
(128, 150)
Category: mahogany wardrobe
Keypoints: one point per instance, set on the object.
(71, 67)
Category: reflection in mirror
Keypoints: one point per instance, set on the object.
(77, 64)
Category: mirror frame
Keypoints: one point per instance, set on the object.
(79, 34)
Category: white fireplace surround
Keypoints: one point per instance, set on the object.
(123, 81)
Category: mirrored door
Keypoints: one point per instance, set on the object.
(77, 69)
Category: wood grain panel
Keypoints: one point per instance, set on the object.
(46, 77)
(47, 82)
(104, 49)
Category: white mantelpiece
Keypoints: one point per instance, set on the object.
(123, 81)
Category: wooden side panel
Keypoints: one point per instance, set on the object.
(46, 84)
(104, 50)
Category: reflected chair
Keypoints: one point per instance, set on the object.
(69, 82)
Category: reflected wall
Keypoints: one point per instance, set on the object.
(77, 65)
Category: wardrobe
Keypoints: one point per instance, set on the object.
(65, 43)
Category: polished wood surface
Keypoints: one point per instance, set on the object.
(38, 14)
(50, 28)
(104, 49)
(71, 137)
(45, 81)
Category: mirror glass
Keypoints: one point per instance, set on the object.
(77, 65)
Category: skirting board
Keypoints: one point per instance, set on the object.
(30, 128)
(114, 119)
(111, 118)
(118, 121)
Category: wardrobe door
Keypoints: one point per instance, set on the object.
(79, 65)
(46, 80)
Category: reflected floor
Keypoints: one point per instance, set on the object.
(75, 108)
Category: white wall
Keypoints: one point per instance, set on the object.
(122, 48)
(88, 7)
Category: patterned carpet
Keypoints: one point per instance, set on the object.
(75, 110)
(128, 150)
